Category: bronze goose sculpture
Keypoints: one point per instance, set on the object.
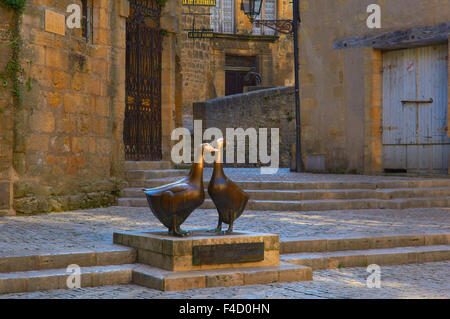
(229, 199)
(173, 203)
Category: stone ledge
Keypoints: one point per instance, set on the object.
(363, 258)
(343, 243)
(30, 281)
(163, 280)
(245, 37)
(53, 260)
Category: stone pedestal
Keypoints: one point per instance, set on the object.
(208, 260)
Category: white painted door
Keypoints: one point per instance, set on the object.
(415, 93)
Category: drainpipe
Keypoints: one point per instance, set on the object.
(295, 24)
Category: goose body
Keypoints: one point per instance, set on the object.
(173, 203)
(229, 199)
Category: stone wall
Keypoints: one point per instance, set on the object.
(193, 74)
(269, 108)
(68, 144)
(341, 89)
(6, 117)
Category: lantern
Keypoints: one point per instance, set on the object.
(251, 8)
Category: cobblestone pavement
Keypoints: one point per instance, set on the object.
(422, 281)
(94, 228)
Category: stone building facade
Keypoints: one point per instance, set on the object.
(344, 111)
(204, 63)
(62, 142)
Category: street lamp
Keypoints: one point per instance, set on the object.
(252, 9)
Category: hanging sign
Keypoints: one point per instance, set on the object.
(206, 3)
(200, 33)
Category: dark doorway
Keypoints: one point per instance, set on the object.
(236, 71)
(142, 124)
(234, 82)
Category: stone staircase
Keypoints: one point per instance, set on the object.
(118, 265)
(300, 196)
(23, 272)
(361, 252)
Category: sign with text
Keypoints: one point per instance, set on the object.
(200, 34)
(227, 253)
(55, 22)
(207, 3)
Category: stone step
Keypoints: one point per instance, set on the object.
(330, 244)
(165, 280)
(290, 185)
(48, 279)
(142, 175)
(363, 258)
(23, 261)
(318, 205)
(137, 165)
(321, 194)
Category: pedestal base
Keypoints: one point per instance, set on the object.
(202, 250)
(207, 259)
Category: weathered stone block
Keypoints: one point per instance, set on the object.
(5, 195)
(61, 80)
(176, 254)
(225, 280)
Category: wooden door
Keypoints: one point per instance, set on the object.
(234, 82)
(415, 91)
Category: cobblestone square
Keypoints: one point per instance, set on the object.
(93, 229)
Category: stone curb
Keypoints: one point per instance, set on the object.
(363, 258)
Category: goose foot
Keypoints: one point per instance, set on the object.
(218, 229)
(179, 233)
(230, 228)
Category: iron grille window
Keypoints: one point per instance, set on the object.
(268, 12)
(222, 16)
(86, 22)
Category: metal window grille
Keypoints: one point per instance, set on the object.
(222, 16)
(268, 12)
